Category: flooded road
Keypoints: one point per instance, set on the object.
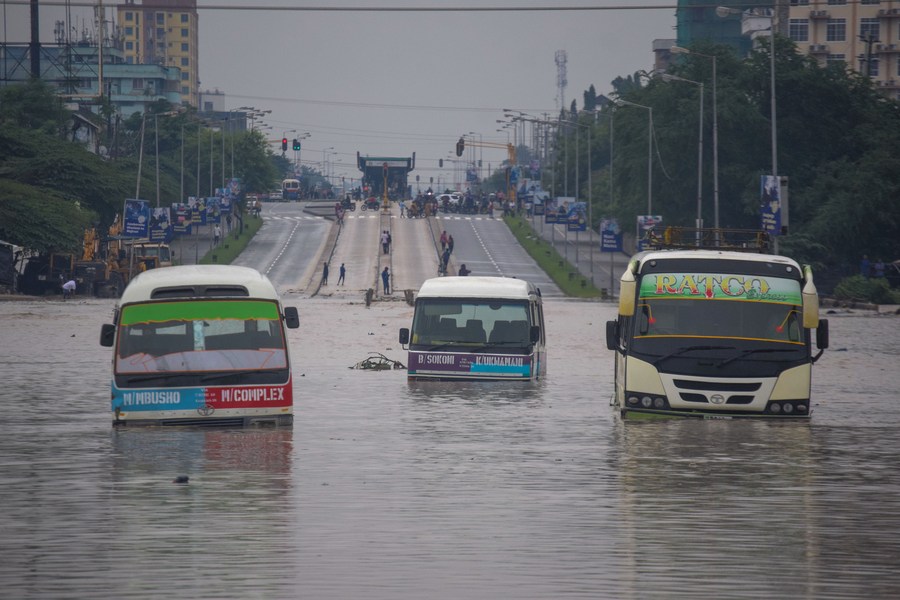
(385, 489)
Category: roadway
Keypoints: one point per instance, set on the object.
(297, 238)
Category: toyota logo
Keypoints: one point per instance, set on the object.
(717, 399)
(206, 410)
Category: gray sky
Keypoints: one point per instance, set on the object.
(394, 83)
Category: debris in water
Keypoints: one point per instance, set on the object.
(378, 362)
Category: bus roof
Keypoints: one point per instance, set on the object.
(716, 255)
(183, 281)
(478, 287)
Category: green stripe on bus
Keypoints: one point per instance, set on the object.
(161, 312)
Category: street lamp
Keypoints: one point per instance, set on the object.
(725, 11)
(668, 77)
(680, 50)
(649, 150)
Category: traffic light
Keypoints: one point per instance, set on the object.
(296, 145)
(460, 146)
(283, 144)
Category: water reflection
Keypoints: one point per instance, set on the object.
(391, 489)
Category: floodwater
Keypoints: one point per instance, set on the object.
(389, 490)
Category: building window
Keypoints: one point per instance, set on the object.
(185, 90)
(160, 32)
(129, 45)
(129, 16)
(799, 2)
(836, 31)
(799, 30)
(129, 31)
(185, 76)
(137, 84)
(184, 18)
(184, 62)
(184, 47)
(129, 60)
(185, 32)
(833, 59)
(873, 66)
(871, 2)
(868, 28)
(160, 18)
(837, 2)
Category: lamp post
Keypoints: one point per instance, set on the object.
(680, 50)
(667, 77)
(649, 150)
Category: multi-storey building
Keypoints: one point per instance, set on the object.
(163, 32)
(863, 34)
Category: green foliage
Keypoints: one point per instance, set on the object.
(52, 188)
(837, 137)
(564, 274)
(858, 287)
(232, 245)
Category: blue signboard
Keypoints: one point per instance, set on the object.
(610, 236)
(576, 218)
(770, 204)
(137, 218)
(160, 225)
(182, 218)
(645, 224)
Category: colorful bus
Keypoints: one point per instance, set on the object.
(201, 345)
(290, 189)
(715, 334)
(476, 328)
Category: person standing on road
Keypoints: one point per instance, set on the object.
(68, 289)
(384, 241)
(463, 271)
(325, 274)
(443, 240)
(343, 271)
(402, 209)
(217, 231)
(450, 244)
(445, 260)
(385, 281)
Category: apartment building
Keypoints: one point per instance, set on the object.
(165, 33)
(863, 34)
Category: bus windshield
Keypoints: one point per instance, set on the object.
(719, 306)
(200, 336)
(470, 322)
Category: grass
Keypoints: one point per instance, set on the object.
(233, 244)
(563, 273)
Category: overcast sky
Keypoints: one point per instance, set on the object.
(392, 83)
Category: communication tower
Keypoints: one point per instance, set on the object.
(561, 80)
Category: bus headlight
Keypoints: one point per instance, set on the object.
(775, 408)
(633, 400)
(646, 401)
(788, 408)
(659, 403)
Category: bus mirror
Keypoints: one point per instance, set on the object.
(810, 301)
(822, 334)
(612, 335)
(291, 317)
(107, 335)
(627, 289)
(535, 334)
(404, 335)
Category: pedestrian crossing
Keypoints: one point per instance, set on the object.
(378, 216)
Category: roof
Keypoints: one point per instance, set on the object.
(141, 287)
(716, 255)
(477, 287)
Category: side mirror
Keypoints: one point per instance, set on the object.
(107, 335)
(612, 335)
(404, 335)
(291, 317)
(535, 334)
(822, 334)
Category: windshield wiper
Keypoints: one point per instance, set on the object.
(752, 351)
(689, 349)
